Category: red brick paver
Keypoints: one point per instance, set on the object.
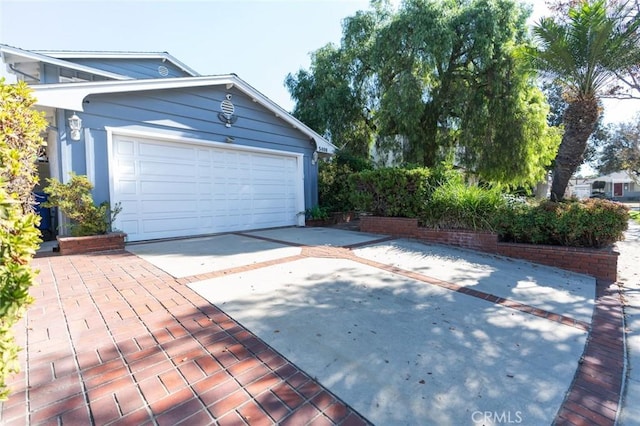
(595, 392)
(113, 340)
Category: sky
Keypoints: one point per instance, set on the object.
(261, 40)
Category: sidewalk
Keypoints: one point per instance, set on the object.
(629, 280)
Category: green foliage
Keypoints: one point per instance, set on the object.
(590, 223)
(75, 200)
(456, 205)
(392, 192)
(19, 237)
(441, 199)
(635, 215)
(20, 128)
(334, 186)
(317, 213)
(20, 141)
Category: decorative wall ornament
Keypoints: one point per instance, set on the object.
(163, 71)
(227, 115)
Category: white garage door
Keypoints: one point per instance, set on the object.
(174, 189)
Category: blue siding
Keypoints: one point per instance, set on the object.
(49, 73)
(190, 113)
(136, 68)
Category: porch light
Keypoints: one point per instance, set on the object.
(75, 124)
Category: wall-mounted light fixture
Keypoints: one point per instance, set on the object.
(314, 157)
(75, 124)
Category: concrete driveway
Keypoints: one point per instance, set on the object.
(405, 333)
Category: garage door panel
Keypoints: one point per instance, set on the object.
(179, 224)
(126, 166)
(165, 150)
(167, 207)
(171, 189)
(130, 227)
(166, 168)
(127, 187)
(167, 187)
(125, 147)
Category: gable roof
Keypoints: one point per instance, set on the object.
(617, 177)
(71, 97)
(11, 55)
(77, 54)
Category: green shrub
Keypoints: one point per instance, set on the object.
(317, 213)
(590, 223)
(455, 205)
(20, 128)
(391, 192)
(75, 201)
(635, 215)
(334, 184)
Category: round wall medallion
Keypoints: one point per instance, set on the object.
(163, 71)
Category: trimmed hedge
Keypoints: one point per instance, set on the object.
(441, 200)
(391, 192)
(590, 223)
(334, 186)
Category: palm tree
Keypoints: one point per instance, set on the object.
(584, 53)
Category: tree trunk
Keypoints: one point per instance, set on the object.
(429, 136)
(580, 120)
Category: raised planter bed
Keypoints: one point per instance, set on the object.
(91, 243)
(599, 263)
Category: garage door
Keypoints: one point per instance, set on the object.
(175, 189)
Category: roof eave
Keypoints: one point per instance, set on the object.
(165, 56)
(59, 62)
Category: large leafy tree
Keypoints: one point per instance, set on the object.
(584, 52)
(433, 78)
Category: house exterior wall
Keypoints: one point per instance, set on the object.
(189, 113)
(49, 74)
(135, 68)
(630, 191)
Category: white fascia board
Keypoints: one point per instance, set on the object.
(165, 56)
(71, 97)
(58, 62)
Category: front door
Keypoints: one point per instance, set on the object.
(617, 190)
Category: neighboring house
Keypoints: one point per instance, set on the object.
(619, 186)
(184, 154)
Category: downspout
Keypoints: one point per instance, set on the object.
(24, 74)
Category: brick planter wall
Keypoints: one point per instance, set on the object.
(482, 241)
(91, 243)
(599, 263)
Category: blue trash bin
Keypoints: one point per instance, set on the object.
(43, 212)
